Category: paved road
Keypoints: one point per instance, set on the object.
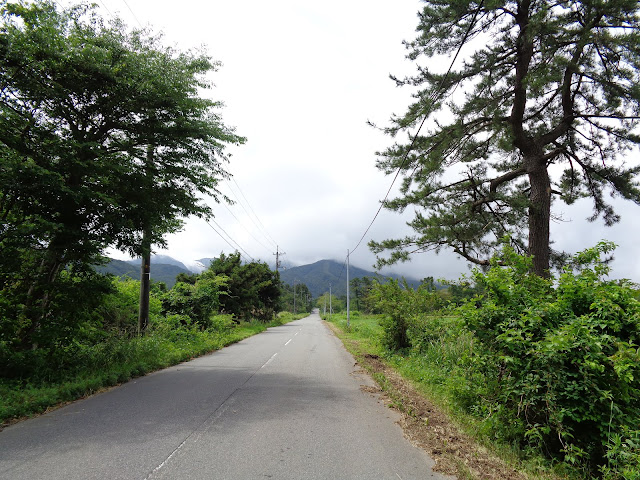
(286, 404)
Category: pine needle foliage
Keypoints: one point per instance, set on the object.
(544, 87)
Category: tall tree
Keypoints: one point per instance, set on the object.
(81, 104)
(252, 289)
(544, 107)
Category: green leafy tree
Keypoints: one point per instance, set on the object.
(362, 292)
(252, 290)
(543, 107)
(106, 142)
(198, 300)
(337, 305)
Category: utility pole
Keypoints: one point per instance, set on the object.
(348, 289)
(294, 296)
(330, 308)
(324, 310)
(145, 265)
(277, 254)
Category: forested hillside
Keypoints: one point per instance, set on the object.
(160, 272)
(319, 275)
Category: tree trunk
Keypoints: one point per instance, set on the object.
(38, 297)
(539, 217)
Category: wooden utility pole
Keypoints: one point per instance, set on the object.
(145, 285)
(145, 265)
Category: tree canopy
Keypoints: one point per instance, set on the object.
(544, 107)
(252, 290)
(105, 135)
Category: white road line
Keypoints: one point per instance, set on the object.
(167, 459)
(288, 342)
(270, 360)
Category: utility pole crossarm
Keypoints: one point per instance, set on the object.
(278, 254)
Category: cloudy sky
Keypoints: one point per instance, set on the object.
(300, 80)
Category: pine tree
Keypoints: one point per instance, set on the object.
(544, 87)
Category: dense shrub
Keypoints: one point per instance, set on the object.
(402, 307)
(563, 363)
(119, 310)
(198, 300)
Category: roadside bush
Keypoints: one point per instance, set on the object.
(623, 456)
(563, 363)
(119, 310)
(402, 308)
(198, 300)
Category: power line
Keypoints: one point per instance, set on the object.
(134, 15)
(227, 241)
(261, 229)
(245, 228)
(236, 243)
(105, 7)
(433, 96)
(254, 213)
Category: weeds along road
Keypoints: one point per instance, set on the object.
(285, 404)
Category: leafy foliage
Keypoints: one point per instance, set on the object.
(295, 298)
(199, 300)
(551, 366)
(250, 291)
(563, 363)
(105, 136)
(401, 307)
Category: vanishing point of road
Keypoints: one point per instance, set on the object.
(285, 404)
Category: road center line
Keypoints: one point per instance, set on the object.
(270, 360)
(288, 342)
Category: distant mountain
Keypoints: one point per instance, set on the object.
(317, 276)
(205, 261)
(160, 272)
(161, 260)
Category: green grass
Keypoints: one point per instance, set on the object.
(117, 361)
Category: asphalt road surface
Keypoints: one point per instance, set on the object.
(285, 404)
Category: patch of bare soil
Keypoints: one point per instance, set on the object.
(429, 428)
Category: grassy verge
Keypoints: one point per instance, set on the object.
(117, 361)
(429, 388)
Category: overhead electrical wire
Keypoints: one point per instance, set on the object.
(134, 15)
(254, 213)
(255, 221)
(245, 228)
(230, 238)
(433, 96)
(108, 11)
(236, 247)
